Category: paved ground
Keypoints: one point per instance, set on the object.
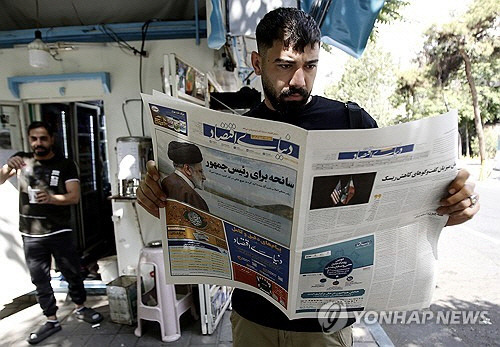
(25, 316)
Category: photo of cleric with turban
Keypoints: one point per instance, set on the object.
(188, 175)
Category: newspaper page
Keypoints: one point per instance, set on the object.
(238, 229)
(303, 218)
(369, 229)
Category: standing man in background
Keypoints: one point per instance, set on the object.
(48, 185)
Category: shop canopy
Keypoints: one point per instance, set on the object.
(345, 24)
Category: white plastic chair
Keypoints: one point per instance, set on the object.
(170, 306)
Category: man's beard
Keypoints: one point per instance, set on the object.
(278, 101)
(198, 182)
(42, 151)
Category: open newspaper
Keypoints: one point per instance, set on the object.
(305, 218)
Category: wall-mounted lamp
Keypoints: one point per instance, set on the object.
(39, 51)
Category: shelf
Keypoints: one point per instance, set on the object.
(15, 81)
(122, 198)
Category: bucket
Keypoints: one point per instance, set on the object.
(108, 268)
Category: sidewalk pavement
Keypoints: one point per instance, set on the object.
(23, 316)
(475, 170)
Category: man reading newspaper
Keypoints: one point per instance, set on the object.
(288, 43)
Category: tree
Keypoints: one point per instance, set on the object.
(390, 13)
(369, 81)
(462, 48)
(416, 96)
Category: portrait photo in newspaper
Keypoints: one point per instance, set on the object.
(254, 194)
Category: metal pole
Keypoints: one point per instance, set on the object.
(197, 21)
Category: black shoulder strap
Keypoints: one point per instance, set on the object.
(355, 120)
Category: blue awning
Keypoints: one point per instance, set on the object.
(347, 24)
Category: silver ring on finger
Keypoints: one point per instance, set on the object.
(473, 200)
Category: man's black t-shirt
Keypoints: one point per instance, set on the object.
(319, 114)
(39, 220)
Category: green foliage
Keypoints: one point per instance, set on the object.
(487, 74)
(390, 13)
(415, 96)
(369, 81)
(440, 82)
(418, 96)
(491, 139)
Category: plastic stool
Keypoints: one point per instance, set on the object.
(168, 309)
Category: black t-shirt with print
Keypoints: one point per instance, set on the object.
(39, 220)
(319, 114)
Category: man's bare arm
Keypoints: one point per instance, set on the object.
(72, 197)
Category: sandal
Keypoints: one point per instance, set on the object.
(88, 315)
(43, 332)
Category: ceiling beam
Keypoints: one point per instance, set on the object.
(97, 33)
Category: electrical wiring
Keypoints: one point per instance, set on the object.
(247, 79)
(142, 53)
(144, 31)
(76, 13)
(121, 43)
(125, 115)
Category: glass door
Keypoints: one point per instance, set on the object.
(86, 138)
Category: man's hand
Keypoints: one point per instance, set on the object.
(6, 172)
(149, 194)
(462, 203)
(16, 162)
(43, 197)
(71, 197)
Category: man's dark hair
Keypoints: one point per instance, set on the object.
(293, 27)
(38, 124)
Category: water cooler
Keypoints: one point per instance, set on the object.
(132, 153)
